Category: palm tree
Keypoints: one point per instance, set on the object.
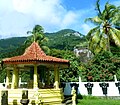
(37, 36)
(105, 31)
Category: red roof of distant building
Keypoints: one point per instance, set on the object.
(33, 54)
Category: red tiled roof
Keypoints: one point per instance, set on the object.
(34, 53)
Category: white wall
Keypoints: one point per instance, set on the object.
(96, 90)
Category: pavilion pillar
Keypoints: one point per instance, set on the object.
(35, 83)
(8, 79)
(56, 73)
(58, 76)
(15, 78)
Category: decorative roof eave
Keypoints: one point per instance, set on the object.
(47, 63)
(22, 59)
(34, 54)
(33, 62)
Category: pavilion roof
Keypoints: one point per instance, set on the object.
(34, 54)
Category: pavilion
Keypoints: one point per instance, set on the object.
(34, 58)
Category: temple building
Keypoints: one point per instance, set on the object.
(39, 87)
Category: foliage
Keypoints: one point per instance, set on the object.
(97, 101)
(115, 50)
(116, 61)
(72, 73)
(10, 44)
(25, 76)
(15, 46)
(118, 74)
(65, 39)
(2, 75)
(17, 51)
(88, 97)
(105, 31)
(100, 68)
(37, 36)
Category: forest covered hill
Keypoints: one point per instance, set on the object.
(65, 39)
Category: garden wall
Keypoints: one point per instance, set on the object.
(112, 90)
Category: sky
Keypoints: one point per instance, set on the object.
(19, 16)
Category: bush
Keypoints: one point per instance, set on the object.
(100, 68)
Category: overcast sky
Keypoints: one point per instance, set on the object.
(19, 16)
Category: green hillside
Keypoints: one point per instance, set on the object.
(11, 44)
(65, 39)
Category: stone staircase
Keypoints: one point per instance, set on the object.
(51, 96)
(46, 96)
(67, 100)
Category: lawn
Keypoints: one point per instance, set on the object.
(97, 101)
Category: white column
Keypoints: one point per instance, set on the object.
(56, 73)
(15, 78)
(35, 84)
(8, 79)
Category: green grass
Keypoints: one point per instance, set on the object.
(97, 101)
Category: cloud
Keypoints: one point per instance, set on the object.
(21, 16)
(5, 5)
(22, 6)
(14, 22)
(86, 28)
(46, 11)
(41, 10)
(69, 18)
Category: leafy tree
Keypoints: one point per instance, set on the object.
(105, 31)
(72, 73)
(37, 36)
(118, 74)
(100, 68)
(2, 75)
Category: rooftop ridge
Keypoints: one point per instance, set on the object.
(34, 49)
